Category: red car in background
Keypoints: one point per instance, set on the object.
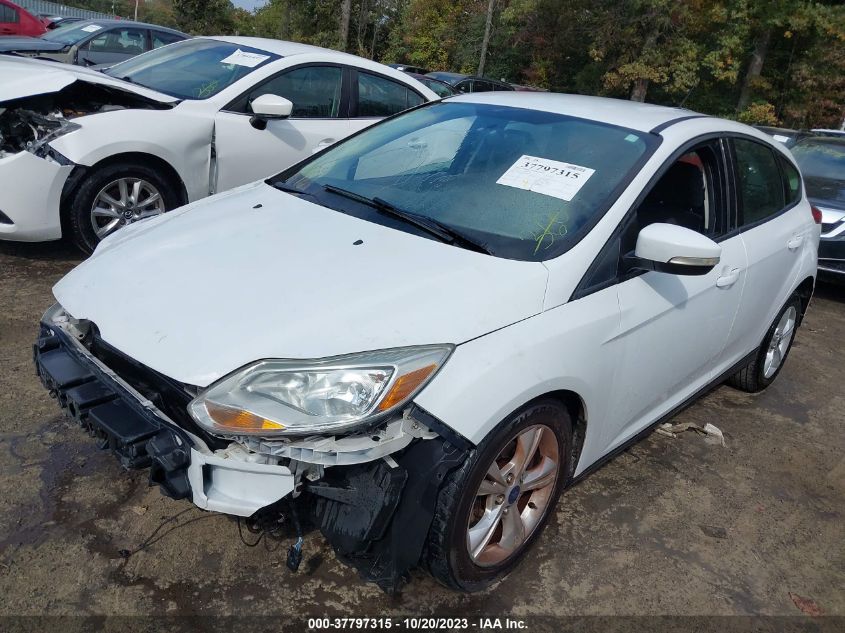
(15, 20)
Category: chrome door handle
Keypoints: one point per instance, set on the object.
(795, 242)
(728, 279)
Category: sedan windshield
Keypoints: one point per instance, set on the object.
(192, 69)
(516, 183)
(72, 33)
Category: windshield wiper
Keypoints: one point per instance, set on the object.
(443, 232)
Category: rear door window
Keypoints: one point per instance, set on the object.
(760, 188)
(381, 97)
(162, 38)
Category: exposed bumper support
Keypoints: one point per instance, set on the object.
(375, 514)
(139, 437)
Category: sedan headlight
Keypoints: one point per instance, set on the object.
(288, 397)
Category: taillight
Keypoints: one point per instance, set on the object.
(817, 215)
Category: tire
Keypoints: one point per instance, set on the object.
(447, 554)
(757, 374)
(79, 212)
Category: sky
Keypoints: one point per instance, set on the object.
(249, 5)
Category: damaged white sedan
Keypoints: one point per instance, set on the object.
(421, 336)
(85, 153)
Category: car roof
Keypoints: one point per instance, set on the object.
(630, 114)
(143, 25)
(278, 47)
(446, 77)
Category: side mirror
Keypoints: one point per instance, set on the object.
(268, 107)
(673, 249)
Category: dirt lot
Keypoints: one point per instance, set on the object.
(673, 526)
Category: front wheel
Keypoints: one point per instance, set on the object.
(767, 363)
(114, 196)
(495, 505)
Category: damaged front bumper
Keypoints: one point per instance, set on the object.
(373, 496)
(142, 436)
(30, 196)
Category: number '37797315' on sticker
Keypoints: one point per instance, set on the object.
(545, 176)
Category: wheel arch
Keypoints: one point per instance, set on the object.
(805, 293)
(150, 160)
(79, 173)
(577, 409)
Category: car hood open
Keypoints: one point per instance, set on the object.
(26, 77)
(255, 273)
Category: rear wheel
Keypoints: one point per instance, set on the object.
(495, 506)
(114, 196)
(770, 357)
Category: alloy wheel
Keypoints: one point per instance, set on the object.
(780, 342)
(513, 496)
(122, 202)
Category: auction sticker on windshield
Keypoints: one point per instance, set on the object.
(548, 177)
(91, 28)
(243, 58)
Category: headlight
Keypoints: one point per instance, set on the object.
(288, 397)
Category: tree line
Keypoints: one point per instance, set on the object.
(776, 62)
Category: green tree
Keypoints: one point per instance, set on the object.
(205, 17)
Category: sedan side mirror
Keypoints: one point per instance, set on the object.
(673, 249)
(268, 107)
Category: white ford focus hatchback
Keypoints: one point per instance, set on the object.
(421, 336)
(83, 153)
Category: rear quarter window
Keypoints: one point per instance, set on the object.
(791, 181)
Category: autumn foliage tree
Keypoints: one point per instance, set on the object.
(773, 61)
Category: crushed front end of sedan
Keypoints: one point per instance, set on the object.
(43, 105)
(30, 122)
(367, 491)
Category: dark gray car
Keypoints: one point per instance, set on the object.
(822, 162)
(94, 42)
(469, 83)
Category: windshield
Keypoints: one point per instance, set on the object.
(72, 33)
(438, 87)
(192, 69)
(821, 160)
(521, 183)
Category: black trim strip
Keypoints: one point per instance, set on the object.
(441, 428)
(671, 122)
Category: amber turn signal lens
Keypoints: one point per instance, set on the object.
(405, 386)
(239, 420)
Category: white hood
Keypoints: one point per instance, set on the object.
(255, 273)
(25, 77)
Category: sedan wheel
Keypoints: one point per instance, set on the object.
(767, 362)
(122, 202)
(513, 496)
(780, 342)
(114, 195)
(492, 508)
